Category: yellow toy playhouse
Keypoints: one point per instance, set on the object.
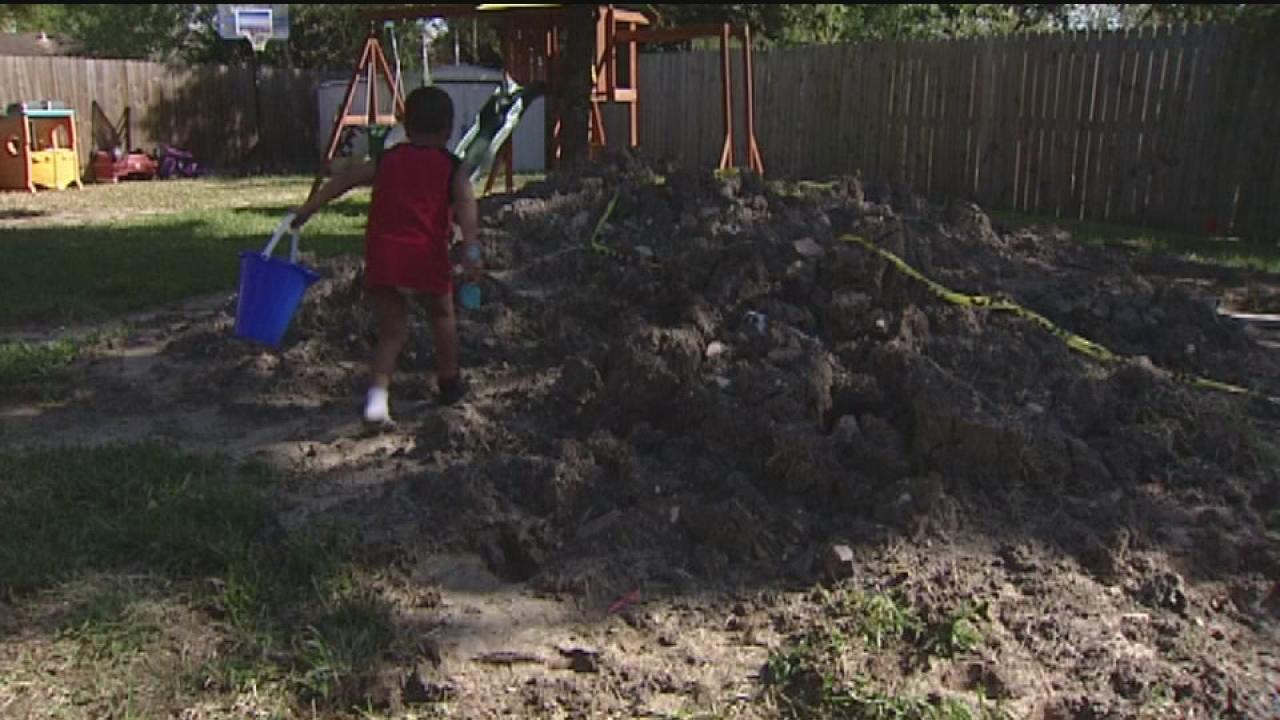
(38, 148)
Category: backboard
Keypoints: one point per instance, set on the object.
(257, 23)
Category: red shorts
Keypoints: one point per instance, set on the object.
(418, 266)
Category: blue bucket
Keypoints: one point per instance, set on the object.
(270, 291)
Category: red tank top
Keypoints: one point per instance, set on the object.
(411, 194)
(410, 219)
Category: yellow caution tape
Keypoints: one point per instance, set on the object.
(1075, 342)
(603, 249)
(595, 243)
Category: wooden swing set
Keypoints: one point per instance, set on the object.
(532, 39)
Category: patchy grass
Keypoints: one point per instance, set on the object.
(87, 272)
(41, 371)
(1156, 701)
(86, 255)
(877, 618)
(805, 681)
(956, 633)
(118, 508)
(22, 362)
(334, 651)
(146, 580)
(1203, 249)
(113, 622)
(824, 671)
(135, 200)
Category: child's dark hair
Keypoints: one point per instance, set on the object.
(428, 110)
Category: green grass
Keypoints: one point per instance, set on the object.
(109, 625)
(956, 633)
(810, 677)
(1204, 249)
(87, 255)
(86, 272)
(861, 701)
(23, 362)
(804, 684)
(877, 618)
(150, 527)
(142, 507)
(334, 651)
(135, 199)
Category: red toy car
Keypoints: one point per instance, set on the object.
(113, 166)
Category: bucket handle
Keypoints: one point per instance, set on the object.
(285, 227)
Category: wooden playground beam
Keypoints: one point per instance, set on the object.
(371, 60)
(729, 155)
(754, 159)
(630, 16)
(462, 10)
(725, 32)
(458, 10)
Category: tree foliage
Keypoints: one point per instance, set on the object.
(797, 24)
(1256, 17)
(328, 36)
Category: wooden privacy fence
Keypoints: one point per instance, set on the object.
(209, 110)
(1174, 128)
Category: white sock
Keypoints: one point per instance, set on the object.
(376, 405)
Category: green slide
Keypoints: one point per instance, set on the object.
(494, 124)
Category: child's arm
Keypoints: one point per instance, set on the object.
(352, 176)
(467, 214)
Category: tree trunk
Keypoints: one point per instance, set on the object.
(579, 51)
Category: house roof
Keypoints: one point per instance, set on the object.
(25, 44)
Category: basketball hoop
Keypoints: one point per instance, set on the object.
(257, 39)
(259, 24)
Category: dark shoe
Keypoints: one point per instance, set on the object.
(453, 390)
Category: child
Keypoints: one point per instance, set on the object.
(416, 184)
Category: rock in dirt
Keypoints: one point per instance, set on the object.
(509, 657)
(807, 247)
(1165, 591)
(582, 660)
(838, 563)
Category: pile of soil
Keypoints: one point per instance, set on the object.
(732, 357)
(727, 387)
(711, 392)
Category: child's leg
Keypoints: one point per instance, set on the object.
(444, 329)
(392, 315)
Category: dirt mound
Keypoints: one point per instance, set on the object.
(731, 318)
(718, 386)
